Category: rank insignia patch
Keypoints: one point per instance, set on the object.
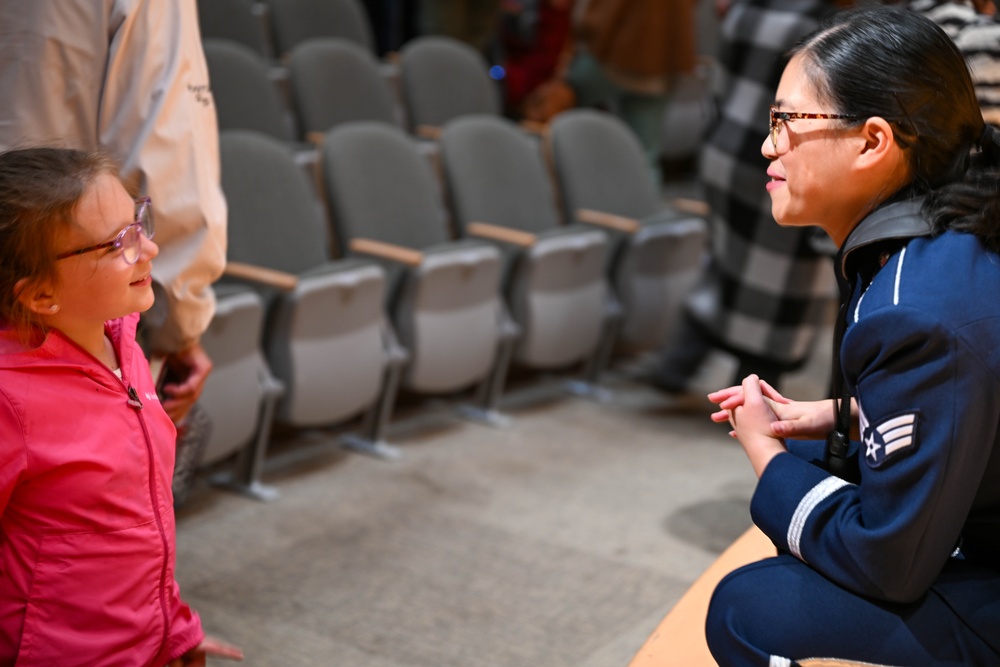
(885, 441)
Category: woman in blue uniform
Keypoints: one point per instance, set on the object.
(889, 532)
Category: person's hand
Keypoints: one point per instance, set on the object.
(810, 420)
(751, 419)
(192, 366)
(198, 656)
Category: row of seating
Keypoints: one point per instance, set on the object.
(382, 293)
(328, 81)
(272, 28)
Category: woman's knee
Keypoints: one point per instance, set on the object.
(745, 620)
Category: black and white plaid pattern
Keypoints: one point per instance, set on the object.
(978, 38)
(766, 290)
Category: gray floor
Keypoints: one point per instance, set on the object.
(560, 540)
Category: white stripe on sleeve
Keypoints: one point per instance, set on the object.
(816, 495)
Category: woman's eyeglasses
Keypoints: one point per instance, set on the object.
(129, 240)
(786, 116)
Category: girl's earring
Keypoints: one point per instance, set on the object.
(54, 308)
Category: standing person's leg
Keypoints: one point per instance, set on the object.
(682, 358)
(768, 370)
(482, 24)
(587, 79)
(644, 114)
(443, 17)
(779, 610)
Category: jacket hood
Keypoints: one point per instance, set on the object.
(58, 351)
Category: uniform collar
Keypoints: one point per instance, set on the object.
(898, 221)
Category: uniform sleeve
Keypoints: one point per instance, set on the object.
(159, 115)
(929, 407)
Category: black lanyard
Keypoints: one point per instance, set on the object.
(838, 440)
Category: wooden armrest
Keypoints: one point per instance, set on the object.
(535, 127)
(608, 220)
(498, 233)
(259, 274)
(429, 132)
(315, 138)
(695, 206)
(391, 251)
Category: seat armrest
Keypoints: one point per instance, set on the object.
(263, 275)
(534, 127)
(691, 206)
(608, 220)
(390, 251)
(505, 234)
(432, 132)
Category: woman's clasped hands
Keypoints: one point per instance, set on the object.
(761, 418)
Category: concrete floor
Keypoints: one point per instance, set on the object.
(559, 540)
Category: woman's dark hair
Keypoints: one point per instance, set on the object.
(39, 191)
(899, 65)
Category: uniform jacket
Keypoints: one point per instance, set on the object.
(767, 289)
(128, 76)
(921, 355)
(86, 519)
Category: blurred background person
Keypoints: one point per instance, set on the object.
(534, 36)
(627, 55)
(974, 27)
(767, 289)
(474, 22)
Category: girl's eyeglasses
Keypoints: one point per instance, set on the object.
(785, 116)
(129, 240)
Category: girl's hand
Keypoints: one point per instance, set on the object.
(213, 646)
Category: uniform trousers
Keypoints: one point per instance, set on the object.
(770, 613)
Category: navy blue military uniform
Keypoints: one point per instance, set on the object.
(902, 564)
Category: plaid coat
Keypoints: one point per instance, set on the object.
(766, 289)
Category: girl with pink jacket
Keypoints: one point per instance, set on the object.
(87, 452)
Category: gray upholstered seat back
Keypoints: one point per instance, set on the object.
(601, 165)
(334, 81)
(245, 97)
(233, 392)
(273, 216)
(444, 78)
(322, 338)
(378, 186)
(233, 20)
(295, 21)
(496, 174)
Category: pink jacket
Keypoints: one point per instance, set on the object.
(86, 512)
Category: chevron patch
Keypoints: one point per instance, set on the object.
(893, 437)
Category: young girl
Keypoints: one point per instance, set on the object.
(86, 519)
(889, 544)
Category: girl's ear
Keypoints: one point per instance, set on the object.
(37, 298)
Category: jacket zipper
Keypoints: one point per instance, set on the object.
(136, 404)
